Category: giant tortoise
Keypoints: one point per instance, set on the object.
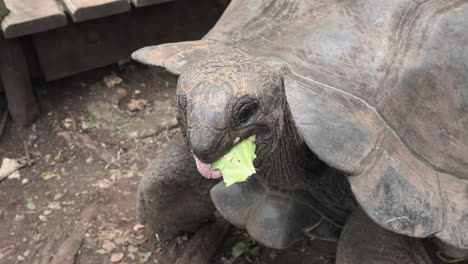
(360, 108)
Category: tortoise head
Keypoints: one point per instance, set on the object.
(224, 100)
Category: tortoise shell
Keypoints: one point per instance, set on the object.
(378, 90)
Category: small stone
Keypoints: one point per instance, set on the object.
(108, 245)
(112, 80)
(84, 125)
(47, 212)
(68, 123)
(136, 105)
(21, 258)
(134, 134)
(26, 253)
(116, 257)
(43, 218)
(122, 92)
(32, 138)
(19, 217)
(24, 181)
(37, 237)
(57, 196)
(47, 158)
(137, 92)
(90, 160)
(131, 256)
(54, 206)
(103, 184)
(7, 166)
(132, 249)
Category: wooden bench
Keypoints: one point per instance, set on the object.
(64, 37)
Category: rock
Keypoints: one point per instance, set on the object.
(7, 166)
(32, 138)
(116, 257)
(90, 160)
(47, 212)
(132, 249)
(19, 217)
(136, 105)
(24, 181)
(137, 92)
(108, 245)
(68, 123)
(47, 158)
(112, 80)
(57, 196)
(37, 237)
(54, 206)
(43, 218)
(121, 92)
(103, 184)
(20, 258)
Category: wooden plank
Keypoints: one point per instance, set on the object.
(141, 3)
(14, 75)
(81, 10)
(95, 43)
(31, 16)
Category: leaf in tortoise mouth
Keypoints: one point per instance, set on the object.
(237, 164)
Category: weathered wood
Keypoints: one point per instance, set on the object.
(28, 17)
(96, 43)
(141, 3)
(81, 10)
(14, 75)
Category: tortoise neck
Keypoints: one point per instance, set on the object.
(289, 164)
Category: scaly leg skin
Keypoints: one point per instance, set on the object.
(362, 241)
(172, 196)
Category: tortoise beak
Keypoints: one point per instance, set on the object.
(206, 143)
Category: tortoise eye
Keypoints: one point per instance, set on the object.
(244, 109)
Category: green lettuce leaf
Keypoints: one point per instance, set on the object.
(237, 164)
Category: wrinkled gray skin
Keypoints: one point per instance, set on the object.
(229, 97)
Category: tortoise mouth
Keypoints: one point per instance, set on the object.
(205, 169)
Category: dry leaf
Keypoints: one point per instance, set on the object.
(116, 257)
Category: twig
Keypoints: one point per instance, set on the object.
(5, 251)
(26, 150)
(3, 124)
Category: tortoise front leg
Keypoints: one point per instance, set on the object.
(362, 241)
(172, 196)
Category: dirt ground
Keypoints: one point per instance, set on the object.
(96, 134)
